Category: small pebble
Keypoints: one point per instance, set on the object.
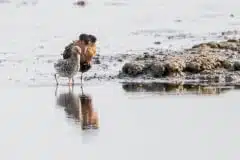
(41, 47)
(97, 61)
(80, 3)
(120, 60)
(50, 61)
(178, 20)
(157, 42)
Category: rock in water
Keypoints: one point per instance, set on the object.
(212, 60)
(174, 66)
(158, 69)
(236, 65)
(132, 69)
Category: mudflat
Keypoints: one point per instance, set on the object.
(185, 106)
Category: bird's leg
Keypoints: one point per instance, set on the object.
(81, 77)
(82, 90)
(55, 75)
(72, 81)
(56, 90)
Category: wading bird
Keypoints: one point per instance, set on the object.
(68, 67)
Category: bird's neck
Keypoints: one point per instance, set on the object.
(78, 59)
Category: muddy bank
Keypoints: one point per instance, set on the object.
(211, 62)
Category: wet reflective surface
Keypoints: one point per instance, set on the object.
(175, 89)
(40, 123)
(79, 108)
(105, 122)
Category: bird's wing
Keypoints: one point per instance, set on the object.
(59, 63)
(63, 65)
(67, 51)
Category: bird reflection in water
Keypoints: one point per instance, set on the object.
(79, 108)
(89, 118)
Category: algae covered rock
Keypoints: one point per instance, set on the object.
(203, 61)
(193, 67)
(158, 69)
(231, 44)
(236, 65)
(211, 61)
(227, 64)
(133, 69)
(174, 65)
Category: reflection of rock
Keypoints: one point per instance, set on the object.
(166, 88)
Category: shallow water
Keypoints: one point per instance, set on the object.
(136, 122)
(40, 26)
(131, 125)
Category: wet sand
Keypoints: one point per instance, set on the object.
(132, 125)
(31, 43)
